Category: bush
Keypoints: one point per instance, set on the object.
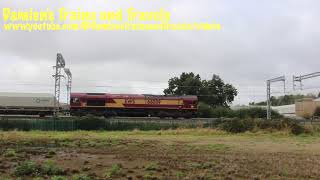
(27, 168)
(317, 112)
(50, 168)
(297, 129)
(205, 111)
(255, 112)
(219, 112)
(90, 122)
(269, 124)
(237, 125)
(30, 168)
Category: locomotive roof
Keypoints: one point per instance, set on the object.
(133, 95)
(17, 94)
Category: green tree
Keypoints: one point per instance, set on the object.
(213, 92)
(186, 84)
(283, 100)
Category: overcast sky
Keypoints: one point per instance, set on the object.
(259, 40)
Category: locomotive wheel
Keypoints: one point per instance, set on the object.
(162, 115)
(107, 115)
(42, 115)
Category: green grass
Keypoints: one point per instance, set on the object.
(30, 168)
(81, 177)
(180, 175)
(49, 167)
(20, 135)
(207, 139)
(4, 178)
(59, 178)
(149, 176)
(27, 168)
(10, 153)
(218, 147)
(69, 138)
(206, 165)
(114, 171)
(153, 166)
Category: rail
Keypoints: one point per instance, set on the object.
(123, 118)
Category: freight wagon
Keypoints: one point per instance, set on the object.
(41, 104)
(102, 104)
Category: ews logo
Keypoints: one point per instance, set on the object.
(129, 101)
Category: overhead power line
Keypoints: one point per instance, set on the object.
(304, 77)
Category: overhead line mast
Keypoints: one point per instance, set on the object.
(281, 78)
(60, 63)
(69, 83)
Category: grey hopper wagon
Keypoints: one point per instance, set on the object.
(26, 103)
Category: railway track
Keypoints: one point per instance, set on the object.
(120, 118)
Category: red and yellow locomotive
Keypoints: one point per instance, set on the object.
(133, 105)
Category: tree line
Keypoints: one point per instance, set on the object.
(215, 96)
(213, 92)
(284, 100)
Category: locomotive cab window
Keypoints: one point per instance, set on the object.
(75, 100)
(96, 102)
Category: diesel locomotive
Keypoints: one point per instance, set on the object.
(131, 105)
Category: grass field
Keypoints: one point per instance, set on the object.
(170, 154)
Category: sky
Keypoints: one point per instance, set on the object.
(259, 40)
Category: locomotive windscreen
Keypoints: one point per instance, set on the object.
(93, 102)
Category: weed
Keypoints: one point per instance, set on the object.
(195, 165)
(218, 147)
(149, 176)
(207, 177)
(10, 153)
(58, 178)
(152, 166)
(38, 178)
(284, 173)
(180, 175)
(50, 168)
(27, 168)
(30, 168)
(81, 177)
(4, 178)
(115, 170)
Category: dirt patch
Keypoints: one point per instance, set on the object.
(154, 157)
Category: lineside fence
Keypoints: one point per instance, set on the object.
(96, 123)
